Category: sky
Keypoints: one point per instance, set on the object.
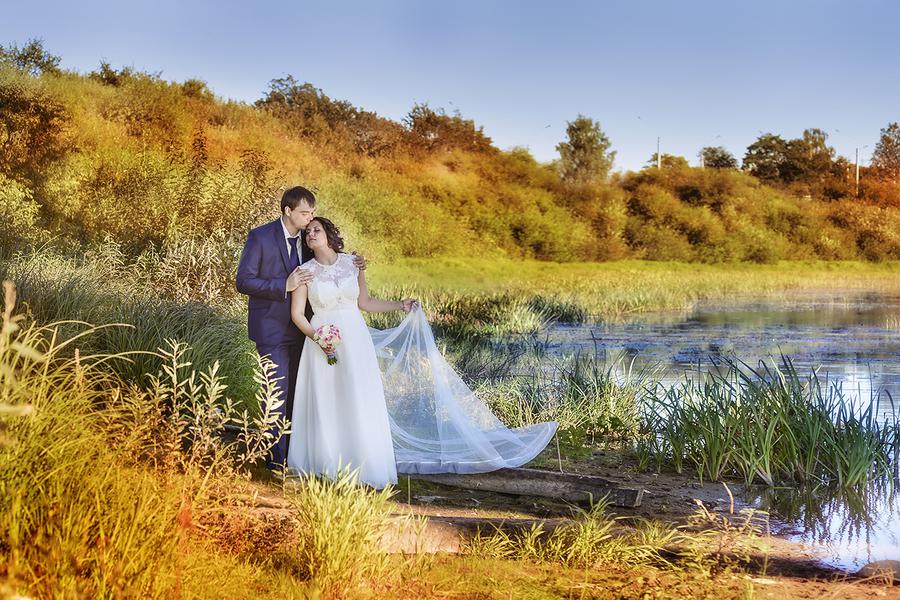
(691, 73)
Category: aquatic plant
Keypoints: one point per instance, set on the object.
(768, 424)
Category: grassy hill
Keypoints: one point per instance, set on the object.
(128, 156)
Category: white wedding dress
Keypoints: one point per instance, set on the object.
(392, 402)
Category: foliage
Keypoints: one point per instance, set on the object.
(435, 129)
(807, 165)
(886, 157)
(31, 58)
(163, 167)
(309, 111)
(717, 157)
(32, 126)
(18, 216)
(101, 481)
(585, 156)
(668, 161)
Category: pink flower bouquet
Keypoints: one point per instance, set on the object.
(328, 337)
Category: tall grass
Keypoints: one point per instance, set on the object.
(590, 540)
(103, 289)
(341, 525)
(106, 487)
(577, 391)
(707, 543)
(613, 289)
(768, 424)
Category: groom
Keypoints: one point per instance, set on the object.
(268, 272)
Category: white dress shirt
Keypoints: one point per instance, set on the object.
(288, 236)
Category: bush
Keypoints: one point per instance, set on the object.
(18, 216)
(32, 125)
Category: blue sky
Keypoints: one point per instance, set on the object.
(692, 73)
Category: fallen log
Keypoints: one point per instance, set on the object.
(546, 484)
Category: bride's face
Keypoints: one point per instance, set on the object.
(315, 235)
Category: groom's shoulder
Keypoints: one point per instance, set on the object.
(262, 229)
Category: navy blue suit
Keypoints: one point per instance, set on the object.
(262, 275)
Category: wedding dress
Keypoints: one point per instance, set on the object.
(391, 402)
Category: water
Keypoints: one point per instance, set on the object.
(848, 528)
(852, 338)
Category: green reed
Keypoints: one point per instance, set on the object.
(768, 424)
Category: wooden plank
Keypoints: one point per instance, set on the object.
(546, 484)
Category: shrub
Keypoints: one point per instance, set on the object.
(18, 216)
(32, 125)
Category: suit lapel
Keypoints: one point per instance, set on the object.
(282, 244)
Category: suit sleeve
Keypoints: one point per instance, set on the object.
(248, 280)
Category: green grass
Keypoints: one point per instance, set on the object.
(612, 289)
(770, 424)
(341, 525)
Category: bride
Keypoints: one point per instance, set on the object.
(390, 402)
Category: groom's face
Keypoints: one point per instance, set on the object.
(299, 217)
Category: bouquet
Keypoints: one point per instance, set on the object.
(328, 336)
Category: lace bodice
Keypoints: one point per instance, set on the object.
(335, 286)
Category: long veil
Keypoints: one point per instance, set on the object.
(438, 424)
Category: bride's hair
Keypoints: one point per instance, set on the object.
(332, 233)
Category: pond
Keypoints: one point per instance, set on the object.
(852, 338)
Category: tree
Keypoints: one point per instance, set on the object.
(436, 129)
(717, 157)
(886, 157)
(808, 159)
(766, 157)
(811, 156)
(668, 161)
(31, 58)
(306, 107)
(586, 156)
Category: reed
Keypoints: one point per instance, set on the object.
(768, 424)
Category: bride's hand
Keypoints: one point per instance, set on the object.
(409, 304)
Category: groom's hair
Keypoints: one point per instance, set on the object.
(332, 233)
(292, 197)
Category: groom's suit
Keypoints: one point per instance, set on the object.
(262, 274)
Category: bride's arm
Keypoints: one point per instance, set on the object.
(374, 305)
(298, 311)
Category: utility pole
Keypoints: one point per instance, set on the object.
(857, 171)
(658, 157)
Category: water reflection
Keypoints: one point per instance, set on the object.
(852, 339)
(851, 527)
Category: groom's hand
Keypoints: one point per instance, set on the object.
(359, 261)
(297, 278)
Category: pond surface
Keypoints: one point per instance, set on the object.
(852, 338)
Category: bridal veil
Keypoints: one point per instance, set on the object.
(438, 424)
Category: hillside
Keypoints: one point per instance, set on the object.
(129, 156)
